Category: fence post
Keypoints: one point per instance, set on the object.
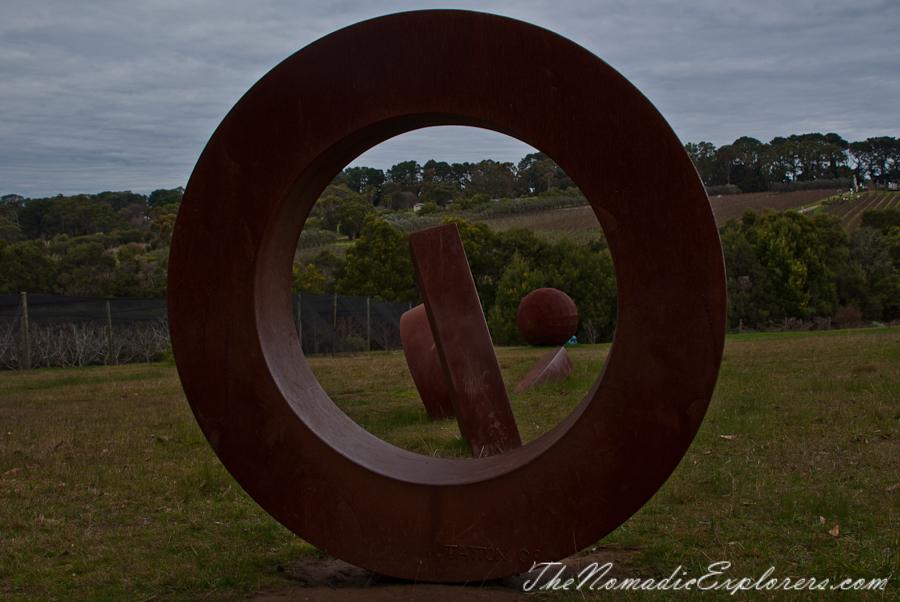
(334, 328)
(25, 361)
(368, 326)
(740, 326)
(110, 360)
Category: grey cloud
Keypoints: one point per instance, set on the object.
(113, 95)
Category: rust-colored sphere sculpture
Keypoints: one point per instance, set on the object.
(546, 317)
(258, 402)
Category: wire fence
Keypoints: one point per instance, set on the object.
(841, 321)
(85, 331)
(341, 324)
(54, 331)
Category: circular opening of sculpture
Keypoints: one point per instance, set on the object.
(524, 226)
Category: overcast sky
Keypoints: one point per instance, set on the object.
(120, 95)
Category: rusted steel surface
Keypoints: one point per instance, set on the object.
(258, 403)
(471, 370)
(547, 317)
(553, 367)
(424, 363)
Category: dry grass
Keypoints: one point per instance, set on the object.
(733, 205)
(108, 490)
(578, 224)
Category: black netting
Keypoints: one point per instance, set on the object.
(330, 323)
(76, 331)
(57, 309)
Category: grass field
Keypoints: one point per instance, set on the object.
(108, 490)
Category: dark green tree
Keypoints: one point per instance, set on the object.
(788, 247)
(366, 181)
(164, 196)
(877, 158)
(883, 221)
(25, 267)
(780, 265)
(437, 171)
(81, 215)
(586, 274)
(378, 265)
(10, 205)
(438, 192)
(519, 279)
(120, 200)
(478, 242)
(87, 270)
(703, 155)
(460, 174)
(34, 218)
(326, 212)
(870, 253)
(407, 174)
(351, 214)
(751, 159)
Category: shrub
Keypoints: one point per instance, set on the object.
(847, 317)
(842, 183)
(722, 190)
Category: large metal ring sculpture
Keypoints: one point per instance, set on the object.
(253, 394)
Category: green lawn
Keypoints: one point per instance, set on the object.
(108, 490)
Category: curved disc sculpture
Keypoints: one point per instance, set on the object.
(261, 408)
(424, 363)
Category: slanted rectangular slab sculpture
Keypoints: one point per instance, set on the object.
(553, 367)
(463, 341)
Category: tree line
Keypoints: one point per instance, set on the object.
(111, 244)
(788, 265)
(441, 183)
(779, 265)
(117, 243)
(748, 165)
